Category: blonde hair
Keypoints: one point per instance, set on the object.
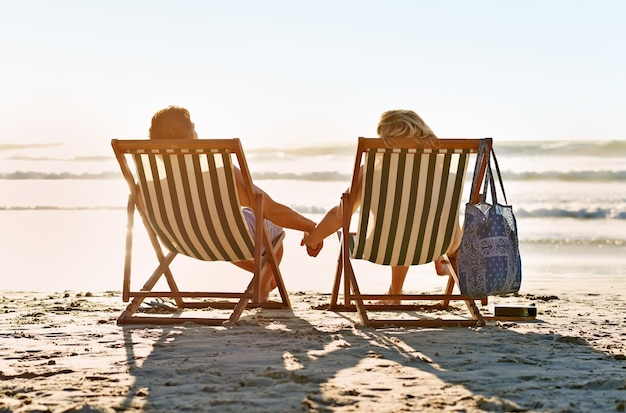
(173, 122)
(405, 124)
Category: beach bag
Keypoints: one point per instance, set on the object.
(489, 261)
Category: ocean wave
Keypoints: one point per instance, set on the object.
(504, 147)
(25, 175)
(335, 176)
(562, 148)
(328, 176)
(588, 175)
(20, 146)
(307, 176)
(571, 176)
(79, 158)
(303, 209)
(587, 242)
(62, 208)
(581, 213)
(339, 149)
(520, 213)
(594, 148)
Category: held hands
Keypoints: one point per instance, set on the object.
(311, 250)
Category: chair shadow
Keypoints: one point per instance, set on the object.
(281, 360)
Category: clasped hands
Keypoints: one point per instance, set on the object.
(312, 250)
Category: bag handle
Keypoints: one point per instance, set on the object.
(485, 154)
(495, 162)
(483, 151)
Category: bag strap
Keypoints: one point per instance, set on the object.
(495, 162)
(489, 185)
(485, 154)
(483, 151)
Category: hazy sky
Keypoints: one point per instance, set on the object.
(298, 72)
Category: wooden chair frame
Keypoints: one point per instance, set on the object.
(249, 298)
(345, 271)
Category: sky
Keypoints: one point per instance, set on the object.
(297, 73)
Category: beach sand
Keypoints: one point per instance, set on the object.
(63, 352)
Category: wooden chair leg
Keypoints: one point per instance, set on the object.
(241, 305)
(338, 273)
(272, 260)
(130, 222)
(163, 267)
(449, 288)
(350, 279)
(345, 250)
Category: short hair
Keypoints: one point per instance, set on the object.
(405, 124)
(173, 122)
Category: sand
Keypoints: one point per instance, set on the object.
(63, 352)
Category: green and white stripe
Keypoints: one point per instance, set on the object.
(192, 203)
(410, 203)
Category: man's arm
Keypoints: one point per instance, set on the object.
(276, 212)
(284, 216)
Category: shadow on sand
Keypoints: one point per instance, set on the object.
(277, 360)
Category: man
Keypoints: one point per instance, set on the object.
(174, 122)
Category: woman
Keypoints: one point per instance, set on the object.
(394, 125)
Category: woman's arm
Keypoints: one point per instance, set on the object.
(328, 225)
(333, 219)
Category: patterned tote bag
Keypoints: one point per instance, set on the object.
(489, 262)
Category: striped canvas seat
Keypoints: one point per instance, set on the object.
(186, 195)
(409, 208)
(192, 203)
(410, 204)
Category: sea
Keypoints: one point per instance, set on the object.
(63, 213)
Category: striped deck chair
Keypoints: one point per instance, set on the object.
(185, 194)
(410, 203)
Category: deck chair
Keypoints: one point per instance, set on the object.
(410, 201)
(185, 193)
